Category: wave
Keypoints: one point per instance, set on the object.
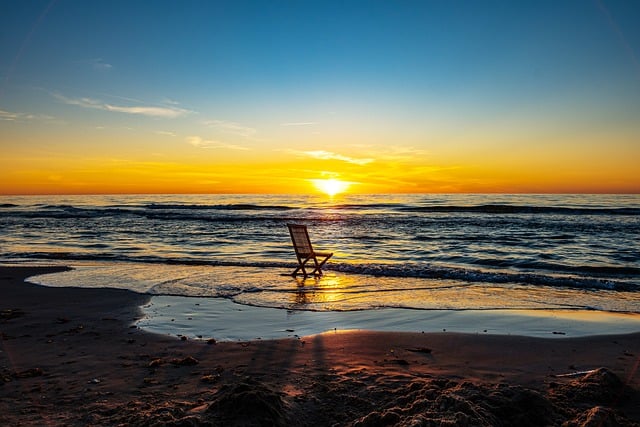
(407, 270)
(70, 212)
(368, 206)
(172, 211)
(519, 209)
(470, 275)
(227, 207)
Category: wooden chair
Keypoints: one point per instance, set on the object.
(304, 250)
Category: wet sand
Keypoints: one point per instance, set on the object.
(225, 320)
(70, 356)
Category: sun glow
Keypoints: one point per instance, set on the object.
(331, 187)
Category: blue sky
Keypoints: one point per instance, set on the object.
(425, 75)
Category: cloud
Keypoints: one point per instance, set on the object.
(199, 142)
(170, 101)
(144, 110)
(231, 127)
(328, 155)
(400, 153)
(11, 116)
(8, 115)
(392, 153)
(298, 124)
(100, 65)
(166, 133)
(97, 64)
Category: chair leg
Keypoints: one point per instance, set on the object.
(301, 265)
(317, 266)
(318, 269)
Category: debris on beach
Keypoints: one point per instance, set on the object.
(29, 373)
(185, 361)
(176, 361)
(10, 313)
(419, 350)
(155, 363)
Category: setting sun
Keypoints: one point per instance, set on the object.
(331, 187)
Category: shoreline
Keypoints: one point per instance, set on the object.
(230, 303)
(72, 356)
(225, 320)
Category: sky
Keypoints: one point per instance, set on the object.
(271, 96)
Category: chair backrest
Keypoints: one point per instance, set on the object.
(300, 239)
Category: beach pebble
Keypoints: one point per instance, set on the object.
(210, 378)
(30, 373)
(419, 350)
(155, 362)
(187, 361)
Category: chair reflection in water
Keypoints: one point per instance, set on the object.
(305, 253)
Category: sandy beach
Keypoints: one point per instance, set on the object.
(70, 356)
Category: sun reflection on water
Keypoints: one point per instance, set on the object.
(325, 292)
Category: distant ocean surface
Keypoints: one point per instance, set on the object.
(577, 252)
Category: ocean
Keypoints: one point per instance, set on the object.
(407, 251)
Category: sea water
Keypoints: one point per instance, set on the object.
(412, 252)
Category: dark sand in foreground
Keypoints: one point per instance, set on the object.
(68, 356)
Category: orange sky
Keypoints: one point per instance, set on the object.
(285, 172)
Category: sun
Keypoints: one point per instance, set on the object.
(331, 186)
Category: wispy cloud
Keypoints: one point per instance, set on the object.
(11, 116)
(170, 101)
(199, 142)
(97, 64)
(165, 133)
(8, 115)
(328, 155)
(100, 65)
(400, 153)
(391, 153)
(299, 124)
(145, 110)
(231, 127)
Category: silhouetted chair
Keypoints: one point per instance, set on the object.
(304, 250)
